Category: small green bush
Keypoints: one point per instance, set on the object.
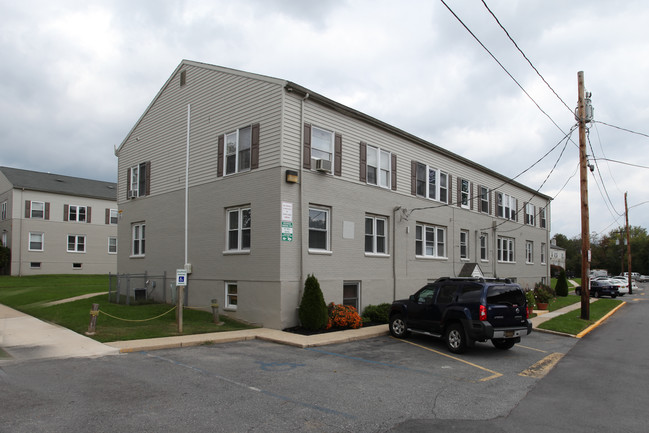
(376, 313)
(562, 284)
(313, 311)
(543, 293)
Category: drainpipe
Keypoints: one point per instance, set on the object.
(187, 185)
(301, 162)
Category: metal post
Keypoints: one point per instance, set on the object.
(215, 312)
(94, 312)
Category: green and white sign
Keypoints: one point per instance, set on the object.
(287, 231)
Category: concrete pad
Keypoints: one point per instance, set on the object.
(24, 337)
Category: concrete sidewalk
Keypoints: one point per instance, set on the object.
(24, 337)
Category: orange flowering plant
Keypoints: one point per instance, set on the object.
(343, 316)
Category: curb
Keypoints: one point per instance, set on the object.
(600, 321)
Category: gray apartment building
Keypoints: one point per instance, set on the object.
(251, 183)
(55, 224)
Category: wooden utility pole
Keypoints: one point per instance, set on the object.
(628, 244)
(583, 180)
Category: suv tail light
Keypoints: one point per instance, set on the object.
(483, 312)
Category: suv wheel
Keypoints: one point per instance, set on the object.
(398, 327)
(455, 338)
(503, 343)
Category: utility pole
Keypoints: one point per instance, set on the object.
(583, 180)
(628, 243)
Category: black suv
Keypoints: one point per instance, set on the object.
(464, 310)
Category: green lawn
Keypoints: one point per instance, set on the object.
(571, 323)
(29, 294)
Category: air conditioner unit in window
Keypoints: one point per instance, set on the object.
(323, 165)
(132, 193)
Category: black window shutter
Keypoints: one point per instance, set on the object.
(394, 172)
(306, 163)
(28, 209)
(47, 210)
(88, 214)
(449, 196)
(362, 169)
(147, 186)
(338, 154)
(66, 211)
(459, 191)
(254, 147)
(107, 219)
(219, 159)
(413, 177)
(128, 182)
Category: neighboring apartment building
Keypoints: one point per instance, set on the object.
(557, 255)
(57, 224)
(251, 183)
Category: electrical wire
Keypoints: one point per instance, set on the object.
(599, 173)
(622, 129)
(526, 58)
(599, 140)
(501, 66)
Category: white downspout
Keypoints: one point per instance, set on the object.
(302, 237)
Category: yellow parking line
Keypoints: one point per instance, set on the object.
(542, 367)
(494, 375)
(531, 348)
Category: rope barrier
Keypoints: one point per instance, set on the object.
(135, 320)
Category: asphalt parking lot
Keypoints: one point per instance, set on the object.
(363, 386)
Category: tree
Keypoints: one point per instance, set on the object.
(313, 311)
(561, 288)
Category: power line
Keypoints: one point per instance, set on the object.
(623, 163)
(526, 58)
(501, 65)
(599, 173)
(622, 129)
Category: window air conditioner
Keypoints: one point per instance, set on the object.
(323, 165)
(132, 193)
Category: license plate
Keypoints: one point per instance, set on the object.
(509, 334)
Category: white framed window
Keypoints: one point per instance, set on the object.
(113, 217)
(138, 237)
(506, 206)
(37, 210)
(530, 214)
(322, 144)
(112, 245)
(542, 218)
(231, 295)
(351, 294)
(376, 235)
(464, 244)
(36, 241)
(431, 183)
(484, 199)
(76, 243)
(543, 254)
(77, 213)
(378, 167)
(4, 238)
(529, 252)
(238, 227)
(319, 229)
(3, 211)
(484, 247)
(506, 251)
(465, 193)
(237, 150)
(430, 241)
(138, 183)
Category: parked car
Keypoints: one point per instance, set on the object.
(464, 310)
(643, 278)
(622, 284)
(600, 288)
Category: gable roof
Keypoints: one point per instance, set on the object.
(291, 87)
(59, 184)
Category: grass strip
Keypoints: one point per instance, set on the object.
(30, 294)
(563, 301)
(572, 323)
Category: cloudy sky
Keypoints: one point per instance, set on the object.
(76, 76)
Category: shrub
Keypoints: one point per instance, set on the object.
(529, 296)
(376, 313)
(343, 316)
(543, 293)
(313, 310)
(562, 284)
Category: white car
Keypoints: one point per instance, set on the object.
(622, 284)
(643, 278)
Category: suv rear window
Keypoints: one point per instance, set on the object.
(470, 293)
(505, 295)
